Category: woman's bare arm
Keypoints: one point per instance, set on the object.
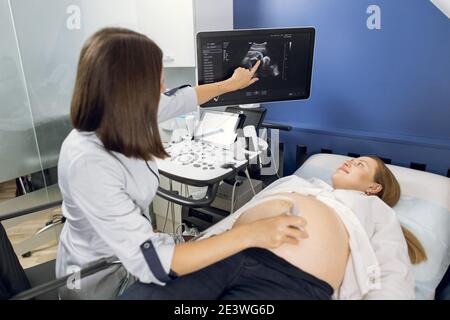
(240, 79)
(266, 233)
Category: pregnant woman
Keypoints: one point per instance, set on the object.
(355, 247)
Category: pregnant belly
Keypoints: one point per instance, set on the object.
(325, 252)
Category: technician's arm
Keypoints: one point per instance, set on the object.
(240, 79)
(186, 100)
(97, 188)
(266, 233)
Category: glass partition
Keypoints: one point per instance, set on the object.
(41, 42)
(50, 38)
(19, 153)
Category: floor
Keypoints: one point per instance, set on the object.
(26, 229)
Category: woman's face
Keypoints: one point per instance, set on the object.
(357, 174)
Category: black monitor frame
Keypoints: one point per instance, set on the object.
(202, 36)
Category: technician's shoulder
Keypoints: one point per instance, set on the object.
(176, 102)
(84, 150)
(173, 91)
(78, 143)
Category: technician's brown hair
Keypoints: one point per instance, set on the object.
(117, 92)
(390, 194)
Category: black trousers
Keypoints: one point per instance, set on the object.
(12, 276)
(254, 274)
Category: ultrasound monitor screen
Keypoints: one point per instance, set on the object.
(284, 73)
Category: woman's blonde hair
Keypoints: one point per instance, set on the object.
(390, 194)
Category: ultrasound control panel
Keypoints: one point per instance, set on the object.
(199, 162)
(209, 157)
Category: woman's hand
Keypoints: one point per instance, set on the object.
(270, 233)
(242, 77)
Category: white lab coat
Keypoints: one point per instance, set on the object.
(379, 265)
(106, 197)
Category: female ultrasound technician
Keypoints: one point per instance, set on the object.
(108, 176)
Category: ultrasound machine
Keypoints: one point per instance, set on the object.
(225, 144)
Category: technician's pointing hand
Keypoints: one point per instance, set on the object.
(242, 77)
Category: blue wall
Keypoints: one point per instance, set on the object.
(374, 91)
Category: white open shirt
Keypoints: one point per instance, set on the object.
(106, 197)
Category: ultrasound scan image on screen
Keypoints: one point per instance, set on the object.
(286, 57)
